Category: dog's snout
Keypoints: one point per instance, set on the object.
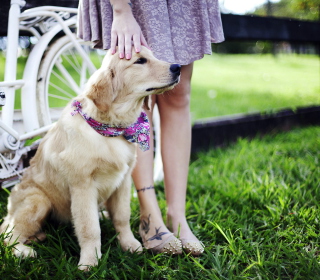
(175, 69)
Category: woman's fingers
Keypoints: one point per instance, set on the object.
(136, 43)
(128, 46)
(121, 41)
(113, 43)
(144, 41)
(125, 44)
(125, 33)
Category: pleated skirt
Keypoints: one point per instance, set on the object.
(177, 31)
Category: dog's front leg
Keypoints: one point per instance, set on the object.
(118, 206)
(85, 217)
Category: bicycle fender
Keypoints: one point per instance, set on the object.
(30, 74)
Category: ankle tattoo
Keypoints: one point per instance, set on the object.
(158, 235)
(145, 188)
(146, 225)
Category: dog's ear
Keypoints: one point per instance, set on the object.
(101, 89)
(147, 103)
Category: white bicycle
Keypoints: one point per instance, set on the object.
(56, 70)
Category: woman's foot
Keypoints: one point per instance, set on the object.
(157, 238)
(190, 243)
(192, 246)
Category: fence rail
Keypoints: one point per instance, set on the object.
(220, 131)
(238, 27)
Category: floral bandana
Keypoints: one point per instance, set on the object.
(138, 132)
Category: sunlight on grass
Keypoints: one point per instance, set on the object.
(232, 84)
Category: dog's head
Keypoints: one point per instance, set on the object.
(123, 85)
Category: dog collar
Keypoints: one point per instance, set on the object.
(138, 132)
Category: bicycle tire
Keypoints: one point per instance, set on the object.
(61, 76)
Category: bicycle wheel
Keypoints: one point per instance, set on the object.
(62, 75)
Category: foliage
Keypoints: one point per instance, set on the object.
(243, 47)
(254, 204)
(299, 9)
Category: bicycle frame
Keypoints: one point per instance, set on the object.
(10, 138)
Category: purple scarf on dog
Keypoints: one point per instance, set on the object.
(138, 132)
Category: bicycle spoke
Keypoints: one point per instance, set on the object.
(60, 78)
(66, 57)
(75, 59)
(62, 91)
(81, 67)
(68, 77)
(83, 75)
(58, 97)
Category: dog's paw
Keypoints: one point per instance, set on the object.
(85, 264)
(84, 267)
(23, 251)
(134, 246)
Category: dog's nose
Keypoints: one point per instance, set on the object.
(175, 68)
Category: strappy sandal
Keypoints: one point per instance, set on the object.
(171, 245)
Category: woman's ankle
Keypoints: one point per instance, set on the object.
(180, 227)
(176, 222)
(153, 230)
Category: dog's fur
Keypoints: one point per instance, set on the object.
(75, 168)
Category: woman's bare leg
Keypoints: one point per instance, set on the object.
(174, 108)
(176, 144)
(152, 226)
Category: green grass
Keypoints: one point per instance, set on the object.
(254, 204)
(232, 84)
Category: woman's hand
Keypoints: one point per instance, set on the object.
(125, 30)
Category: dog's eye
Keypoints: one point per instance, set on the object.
(141, 60)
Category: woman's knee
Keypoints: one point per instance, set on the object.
(178, 97)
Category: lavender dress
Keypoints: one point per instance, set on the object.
(179, 31)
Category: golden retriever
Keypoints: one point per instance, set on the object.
(76, 168)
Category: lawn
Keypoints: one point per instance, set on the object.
(232, 84)
(254, 204)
